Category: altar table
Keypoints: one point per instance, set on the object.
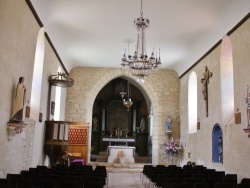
(126, 140)
(128, 151)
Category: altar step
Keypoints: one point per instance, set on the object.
(103, 157)
(120, 168)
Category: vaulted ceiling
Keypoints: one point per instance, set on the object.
(92, 32)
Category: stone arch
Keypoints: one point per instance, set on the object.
(149, 91)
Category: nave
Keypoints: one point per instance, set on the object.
(90, 176)
(124, 180)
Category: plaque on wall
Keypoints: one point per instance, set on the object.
(238, 118)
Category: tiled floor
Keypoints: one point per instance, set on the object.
(125, 180)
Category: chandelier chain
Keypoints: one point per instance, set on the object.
(141, 9)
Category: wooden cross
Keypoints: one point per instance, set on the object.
(205, 80)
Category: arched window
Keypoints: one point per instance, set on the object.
(36, 102)
(227, 83)
(192, 103)
(217, 144)
(37, 76)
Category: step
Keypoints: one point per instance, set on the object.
(138, 159)
(120, 168)
(103, 153)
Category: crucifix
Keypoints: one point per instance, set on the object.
(205, 80)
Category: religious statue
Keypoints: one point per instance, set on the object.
(17, 112)
(220, 148)
(247, 99)
(168, 123)
(95, 123)
(142, 127)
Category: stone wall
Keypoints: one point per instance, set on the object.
(162, 89)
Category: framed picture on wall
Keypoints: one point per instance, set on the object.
(237, 117)
(40, 117)
(198, 125)
(52, 110)
(27, 112)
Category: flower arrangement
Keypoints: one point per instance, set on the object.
(121, 154)
(172, 146)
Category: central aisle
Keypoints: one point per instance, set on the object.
(125, 180)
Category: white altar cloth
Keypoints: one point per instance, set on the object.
(113, 154)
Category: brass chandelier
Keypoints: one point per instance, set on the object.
(127, 101)
(140, 64)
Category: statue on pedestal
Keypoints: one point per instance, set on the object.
(17, 112)
(168, 124)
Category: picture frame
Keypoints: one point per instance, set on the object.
(40, 117)
(52, 110)
(198, 125)
(237, 117)
(27, 112)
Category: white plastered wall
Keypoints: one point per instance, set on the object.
(18, 35)
(236, 142)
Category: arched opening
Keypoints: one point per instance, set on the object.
(112, 119)
(217, 144)
(152, 102)
(192, 103)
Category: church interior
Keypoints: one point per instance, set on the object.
(104, 115)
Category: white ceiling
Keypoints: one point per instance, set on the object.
(92, 32)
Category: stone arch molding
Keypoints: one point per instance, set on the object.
(107, 77)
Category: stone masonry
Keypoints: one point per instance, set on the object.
(162, 89)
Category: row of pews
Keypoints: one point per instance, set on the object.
(59, 176)
(172, 176)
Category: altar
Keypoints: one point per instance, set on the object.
(123, 140)
(128, 151)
